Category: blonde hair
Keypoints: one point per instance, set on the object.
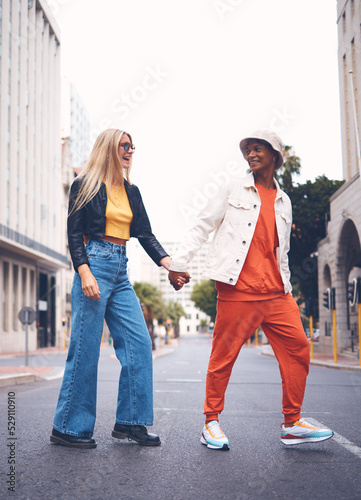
(104, 164)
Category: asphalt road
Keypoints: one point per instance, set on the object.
(257, 466)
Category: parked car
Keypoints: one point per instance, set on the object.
(315, 334)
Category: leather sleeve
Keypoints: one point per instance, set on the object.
(76, 229)
(141, 228)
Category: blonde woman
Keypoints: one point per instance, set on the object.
(106, 210)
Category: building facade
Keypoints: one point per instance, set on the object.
(75, 124)
(75, 140)
(32, 226)
(339, 254)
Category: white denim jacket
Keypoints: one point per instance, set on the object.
(233, 215)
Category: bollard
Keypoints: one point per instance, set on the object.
(359, 331)
(64, 339)
(333, 307)
(334, 336)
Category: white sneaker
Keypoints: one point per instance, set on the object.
(213, 436)
(304, 432)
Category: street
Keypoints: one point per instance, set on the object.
(257, 466)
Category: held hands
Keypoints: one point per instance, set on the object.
(177, 280)
(88, 282)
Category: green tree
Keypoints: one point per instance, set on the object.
(204, 296)
(152, 303)
(175, 312)
(311, 211)
(150, 295)
(291, 167)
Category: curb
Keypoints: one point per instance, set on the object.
(18, 379)
(325, 364)
(9, 379)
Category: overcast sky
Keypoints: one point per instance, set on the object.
(189, 79)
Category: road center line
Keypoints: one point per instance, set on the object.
(184, 380)
(341, 440)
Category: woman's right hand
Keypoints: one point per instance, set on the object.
(88, 283)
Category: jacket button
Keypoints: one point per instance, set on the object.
(254, 206)
(231, 279)
(249, 224)
(237, 261)
(243, 242)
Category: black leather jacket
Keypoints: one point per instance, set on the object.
(90, 221)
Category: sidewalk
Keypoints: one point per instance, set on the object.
(344, 362)
(17, 373)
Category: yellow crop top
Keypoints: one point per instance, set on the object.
(119, 214)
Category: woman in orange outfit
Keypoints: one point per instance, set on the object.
(248, 260)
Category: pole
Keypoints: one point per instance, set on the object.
(256, 337)
(359, 332)
(27, 314)
(334, 336)
(159, 336)
(26, 345)
(311, 337)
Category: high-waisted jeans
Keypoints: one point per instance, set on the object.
(76, 410)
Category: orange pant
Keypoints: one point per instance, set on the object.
(235, 323)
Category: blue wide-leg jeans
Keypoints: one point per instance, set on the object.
(118, 305)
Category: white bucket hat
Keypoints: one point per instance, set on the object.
(270, 137)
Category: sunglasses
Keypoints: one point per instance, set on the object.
(127, 146)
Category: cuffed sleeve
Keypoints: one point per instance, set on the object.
(141, 228)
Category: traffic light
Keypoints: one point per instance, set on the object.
(352, 291)
(333, 298)
(327, 298)
(308, 309)
(63, 320)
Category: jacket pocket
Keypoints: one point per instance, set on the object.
(236, 203)
(237, 212)
(284, 216)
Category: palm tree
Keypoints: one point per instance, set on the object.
(175, 312)
(152, 303)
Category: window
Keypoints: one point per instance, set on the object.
(5, 296)
(24, 280)
(32, 294)
(15, 295)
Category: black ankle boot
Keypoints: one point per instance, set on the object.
(71, 441)
(138, 433)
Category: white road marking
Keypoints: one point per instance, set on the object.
(184, 380)
(165, 390)
(341, 440)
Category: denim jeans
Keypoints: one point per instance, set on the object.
(76, 410)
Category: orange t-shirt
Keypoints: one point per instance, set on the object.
(260, 278)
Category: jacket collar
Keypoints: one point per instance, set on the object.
(249, 182)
